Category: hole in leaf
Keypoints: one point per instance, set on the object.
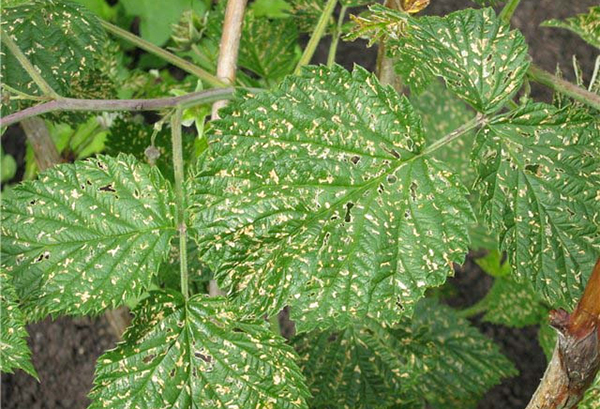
(172, 373)
(149, 358)
(394, 153)
(33, 202)
(355, 159)
(108, 188)
(535, 169)
(392, 179)
(413, 190)
(380, 189)
(348, 217)
(205, 358)
(332, 337)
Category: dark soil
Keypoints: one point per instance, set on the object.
(65, 350)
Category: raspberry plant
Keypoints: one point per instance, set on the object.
(343, 196)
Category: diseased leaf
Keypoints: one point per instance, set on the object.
(591, 400)
(442, 113)
(480, 59)
(320, 195)
(59, 38)
(14, 352)
(269, 48)
(435, 357)
(358, 367)
(539, 182)
(456, 363)
(513, 304)
(586, 26)
(180, 354)
(86, 236)
(378, 24)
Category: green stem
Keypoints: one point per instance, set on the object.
(316, 35)
(336, 37)
(478, 120)
(179, 200)
(164, 54)
(564, 87)
(28, 67)
(473, 310)
(508, 10)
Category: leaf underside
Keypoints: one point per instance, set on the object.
(480, 59)
(436, 357)
(319, 197)
(180, 354)
(539, 183)
(14, 352)
(86, 236)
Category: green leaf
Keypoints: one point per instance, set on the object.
(380, 23)
(320, 195)
(586, 26)
(493, 264)
(480, 59)
(513, 304)
(591, 400)
(307, 13)
(156, 17)
(86, 236)
(271, 8)
(358, 367)
(269, 48)
(59, 38)
(456, 362)
(195, 353)
(14, 352)
(539, 186)
(436, 357)
(442, 113)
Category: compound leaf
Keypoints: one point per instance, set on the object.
(480, 59)
(358, 367)
(456, 363)
(269, 48)
(539, 186)
(587, 26)
(442, 112)
(60, 38)
(85, 236)
(14, 352)
(180, 354)
(513, 304)
(436, 356)
(320, 195)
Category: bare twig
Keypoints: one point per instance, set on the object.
(564, 87)
(576, 358)
(230, 45)
(385, 66)
(72, 104)
(43, 146)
